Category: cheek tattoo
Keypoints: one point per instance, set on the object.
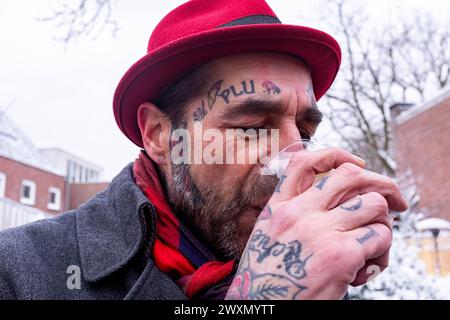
(200, 113)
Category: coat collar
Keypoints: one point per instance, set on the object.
(113, 226)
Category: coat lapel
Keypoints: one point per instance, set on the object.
(113, 226)
(154, 285)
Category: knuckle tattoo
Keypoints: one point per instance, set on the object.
(352, 204)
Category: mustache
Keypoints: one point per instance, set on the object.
(254, 192)
(213, 215)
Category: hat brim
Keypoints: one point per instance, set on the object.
(155, 71)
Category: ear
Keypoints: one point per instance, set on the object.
(152, 124)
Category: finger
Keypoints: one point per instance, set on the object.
(374, 240)
(348, 181)
(305, 165)
(362, 210)
(371, 269)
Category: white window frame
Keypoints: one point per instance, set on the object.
(57, 205)
(31, 201)
(2, 184)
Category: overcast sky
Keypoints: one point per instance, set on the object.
(63, 98)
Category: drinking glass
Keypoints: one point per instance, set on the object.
(278, 164)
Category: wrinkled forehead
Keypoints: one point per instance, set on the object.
(265, 65)
(237, 99)
(240, 82)
(267, 96)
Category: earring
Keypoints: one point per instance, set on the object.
(161, 158)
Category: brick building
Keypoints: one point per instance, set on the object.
(82, 176)
(422, 150)
(27, 176)
(37, 183)
(32, 186)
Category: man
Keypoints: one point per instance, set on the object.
(171, 229)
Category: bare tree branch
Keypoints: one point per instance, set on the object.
(82, 19)
(381, 67)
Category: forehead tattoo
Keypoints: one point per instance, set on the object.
(218, 91)
(252, 106)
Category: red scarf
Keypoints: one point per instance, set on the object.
(176, 250)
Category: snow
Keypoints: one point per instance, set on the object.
(15, 145)
(13, 214)
(383, 154)
(433, 223)
(442, 95)
(406, 277)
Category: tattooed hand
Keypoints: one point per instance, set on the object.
(312, 241)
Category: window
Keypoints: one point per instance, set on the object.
(80, 176)
(28, 192)
(2, 184)
(74, 172)
(69, 173)
(54, 198)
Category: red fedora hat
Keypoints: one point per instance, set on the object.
(202, 30)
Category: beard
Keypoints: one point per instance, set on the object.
(214, 215)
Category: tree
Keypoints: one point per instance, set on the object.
(76, 19)
(381, 66)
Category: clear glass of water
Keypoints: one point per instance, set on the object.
(278, 164)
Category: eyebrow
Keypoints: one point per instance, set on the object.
(312, 114)
(261, 107)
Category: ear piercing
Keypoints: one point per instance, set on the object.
(161, 158)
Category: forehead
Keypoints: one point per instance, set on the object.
(263, 65)
(249, 100)
(265, 76)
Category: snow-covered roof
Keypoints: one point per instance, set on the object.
(15, 145)
(13, 214)
(414, 111)
(50, 153)
(433, 223)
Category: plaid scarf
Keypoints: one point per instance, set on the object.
(176, 250)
